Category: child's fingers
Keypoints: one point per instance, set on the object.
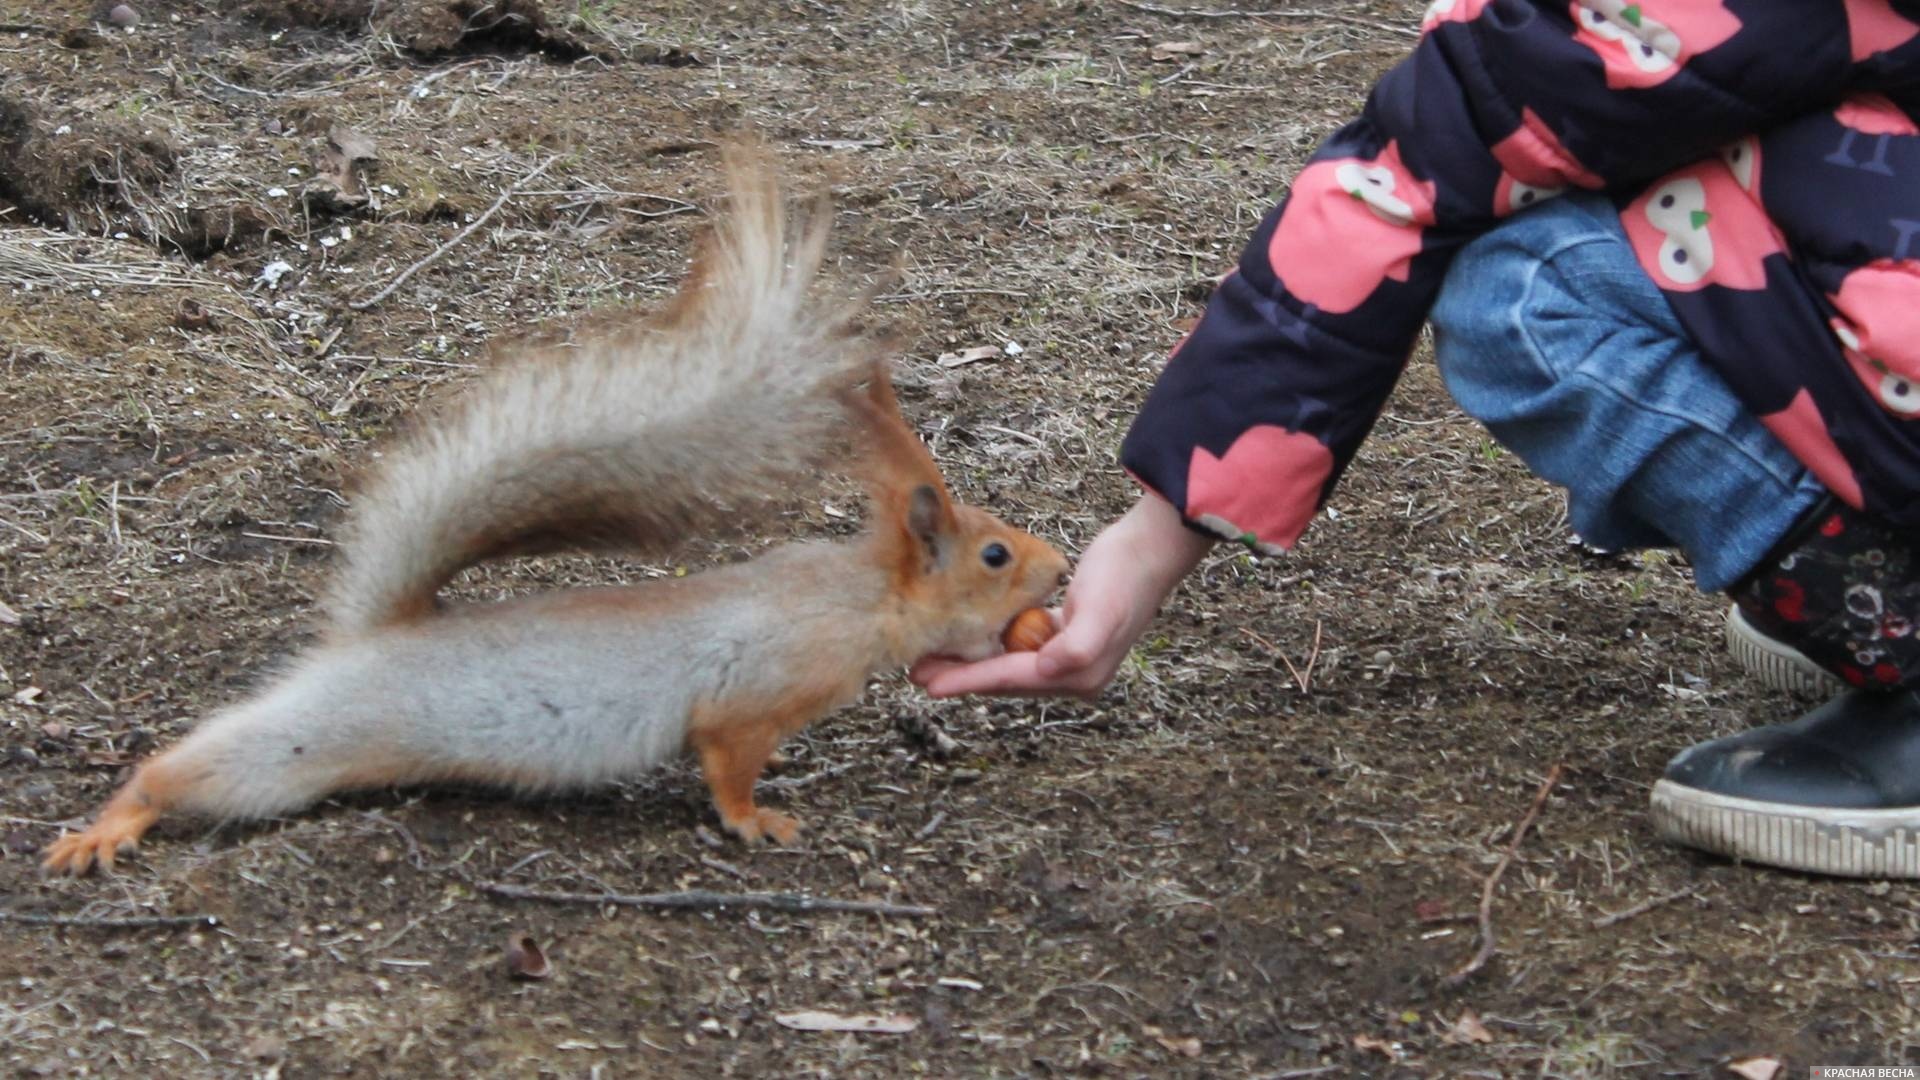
(1082, 641)
(1014, 673)
(926, 670)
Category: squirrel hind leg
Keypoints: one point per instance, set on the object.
(156, 785)
(220, 772)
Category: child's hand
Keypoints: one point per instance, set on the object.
(1123, 578)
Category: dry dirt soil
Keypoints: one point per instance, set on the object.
(1244, 860)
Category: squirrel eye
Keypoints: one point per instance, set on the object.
(995, 555)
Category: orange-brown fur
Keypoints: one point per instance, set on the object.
(734, 741)
(568, 688)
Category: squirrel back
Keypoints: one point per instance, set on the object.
(636, 441)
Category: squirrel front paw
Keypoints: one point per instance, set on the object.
(764, 824)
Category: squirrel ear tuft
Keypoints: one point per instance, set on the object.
(930, 521)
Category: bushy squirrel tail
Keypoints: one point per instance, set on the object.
(636, 441)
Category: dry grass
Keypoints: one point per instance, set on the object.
(1211, 851)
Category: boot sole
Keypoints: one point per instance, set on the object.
(1816, 839)
(1780, 667)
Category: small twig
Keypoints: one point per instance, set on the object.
(1638, 909)
(723, 866)
(1185, 70)
(526, 861)
(703, 900)
(790, 783)
(902, 297)
(1485, 952)
(931, 826)
(1304, 679)
(311, 540)
(1278, 13)
(362, 305)
(26, 28)
(109, 922)
(414, 855)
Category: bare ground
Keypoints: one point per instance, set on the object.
(1221, 868)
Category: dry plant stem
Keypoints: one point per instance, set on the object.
(1304, 679)
(712, 901)
(1485, 952)
(110, 922)
(1638, 909)
(1278, 13)
(436, 253)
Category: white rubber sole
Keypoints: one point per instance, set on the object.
(1819, 840)
(1779, 666)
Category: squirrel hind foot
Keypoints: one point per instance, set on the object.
(121, 823)
(764, 824)
(118, 831)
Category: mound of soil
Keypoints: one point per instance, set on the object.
(104, 176)
(80, 177)
(431, 28)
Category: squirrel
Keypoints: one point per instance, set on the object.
(653, 434)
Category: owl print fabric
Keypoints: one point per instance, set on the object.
(1766, 162)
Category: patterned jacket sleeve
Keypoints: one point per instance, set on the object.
(1503, 103)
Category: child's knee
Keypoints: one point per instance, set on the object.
(1532, 301)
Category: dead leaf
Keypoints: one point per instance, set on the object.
(1187, 1047)
(970, 356)
(525, 960)
(818, 1020)
(1385, 1048)
(1755, 1068)
(1467, 1030)
(352, 146)
(1061, 57)
(1168, 51)
(192, 315)
(8, 616)
(28, 696)
(339, 183)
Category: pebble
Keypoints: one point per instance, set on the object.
(1382, 658)
(123, 15)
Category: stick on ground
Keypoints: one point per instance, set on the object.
(1485, 952)
(1638, 909)
(711, 901)
(109, 922)
(362, 305)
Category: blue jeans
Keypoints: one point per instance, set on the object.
(1549, 333)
